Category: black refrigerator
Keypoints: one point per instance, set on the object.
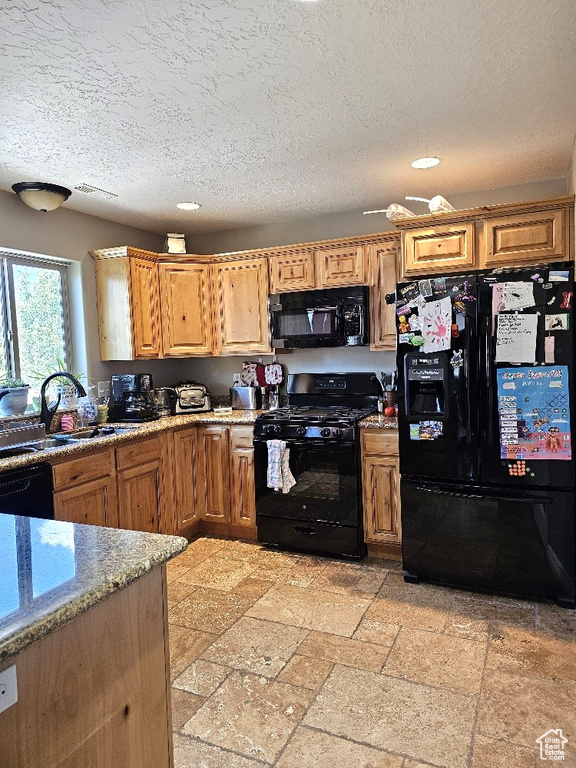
(486, 415)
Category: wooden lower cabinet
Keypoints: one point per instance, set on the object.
(93, 503)
(242, 470)
(184, 480)
(140, 497)
(381, 488)
(213, 495)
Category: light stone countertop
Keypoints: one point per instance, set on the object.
(379, 421)
(136, 431)
(52, 571)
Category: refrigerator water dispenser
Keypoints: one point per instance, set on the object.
(426, 384)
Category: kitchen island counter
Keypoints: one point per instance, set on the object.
(84, 641)
(52, 571)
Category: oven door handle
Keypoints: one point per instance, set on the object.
(309, 443)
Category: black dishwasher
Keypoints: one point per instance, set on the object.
(27, 491)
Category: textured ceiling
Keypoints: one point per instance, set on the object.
(264, 110)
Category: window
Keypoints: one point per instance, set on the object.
(34, 320)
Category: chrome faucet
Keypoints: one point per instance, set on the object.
(48, 411)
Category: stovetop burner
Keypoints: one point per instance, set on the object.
(313, 414)
(307, 422)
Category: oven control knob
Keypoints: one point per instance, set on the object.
(278, 429)
(325, 432)
(338, 433)
(301, 431)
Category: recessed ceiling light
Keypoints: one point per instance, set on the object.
(189, 206)
(425, 162)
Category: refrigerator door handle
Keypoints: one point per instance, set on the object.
(488, 368)
(486, 496)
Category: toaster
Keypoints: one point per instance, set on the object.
(245, 398)
(192, 397)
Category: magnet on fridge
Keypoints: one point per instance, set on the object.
(416, 341)
(457, 360)
(547, 286)
(439, 285)
(566, 299)
(534, 277)
(409, 292)
(403, 326)
(390, 298)
(549, 343)
(455, 331)
(459, 307)
(402, 309)
(425, 287)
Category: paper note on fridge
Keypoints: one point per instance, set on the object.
(517, 296)
(516, 338)
(436, 325)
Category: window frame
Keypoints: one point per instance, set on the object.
(8, 259)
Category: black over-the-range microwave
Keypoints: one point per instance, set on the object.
(335, 317)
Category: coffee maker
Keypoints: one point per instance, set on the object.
(130, 397)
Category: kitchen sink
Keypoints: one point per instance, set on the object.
(90, 434)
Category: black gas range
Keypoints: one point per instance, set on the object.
(321, 511)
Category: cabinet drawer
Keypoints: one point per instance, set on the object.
(438, 249)
(138, 452)
(528, 237)
(375, 443)
(292, 273)
(83, 469)
(242, 437)
(341, 266)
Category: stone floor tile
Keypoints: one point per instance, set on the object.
(464, 626)
(243, 550)
(251, 715)
(387, 563)
(375, 631)
(178, 590)
(342, 650)
(198, 550)
(311, 749)
(412, 605)
(350, 579)
(531, 654)
(306, 671)
(311, 609)
(251, 587)
(184, 705)
(521, 709)
(210, 610)
(262, 647)
(218, 572)
(486, 608)
(191, 753)
(201, 677)
(492, 753)
(186, 645)
(438, 660)
(427, 724)
(556, 621)
(175, 570)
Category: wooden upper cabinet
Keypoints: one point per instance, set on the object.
(145, 308)
(292, 273)
(241, 316)
(525, 238)
(439, 249)
(340, 266)
(186, 310)
(383, 262)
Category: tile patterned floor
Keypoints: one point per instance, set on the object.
(304, 662)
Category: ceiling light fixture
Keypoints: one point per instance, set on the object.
(41, 196)
(189, 206)
(425, 162)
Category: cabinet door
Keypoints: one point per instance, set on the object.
(292, 273)
(242, 323)
(93, 503)
(381, 498)
(140, 497)
(438, 250)
(242, 465)
(525, 238)
(144, 308)
(213, 474)
(340, 266)
(186, 310)
(185, 472)
(383, 262)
